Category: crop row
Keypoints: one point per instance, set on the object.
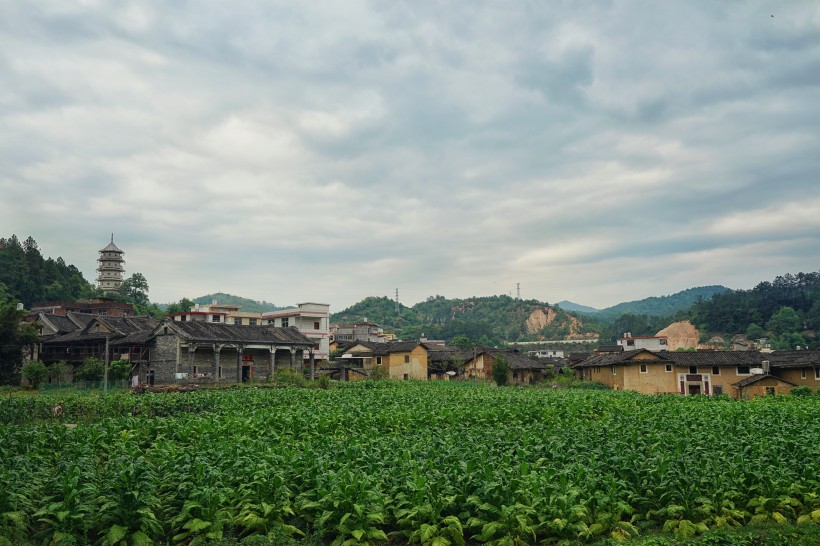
(407, 462)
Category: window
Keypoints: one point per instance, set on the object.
(183, 318)
(802, 373)
(630, 342)
(407, 359)
(817, 373)
(102, 312)
(669, 367)
(215, 318)
(196, 370)
(717, 390)
(406, 376)
(285, 322)
(663, 341)
(219, 372)
(715, 370)
(252, 322)
(378, 361)
(271, 321)
(693, 370)
(614, 370)
(316, 325)
(743, 370)
(643, 368)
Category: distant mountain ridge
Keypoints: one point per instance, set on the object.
(567, 305)
(248, 305)
(658, 306)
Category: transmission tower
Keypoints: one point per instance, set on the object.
(397, 301)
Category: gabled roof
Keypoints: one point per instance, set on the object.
(514, 358)
(753, 359)
(752, 379)
(111, 247)
(114, 328)
(622, 359)
(209, 332)
(61, 324)
(793, 359)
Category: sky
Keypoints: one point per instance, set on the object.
(597, 152)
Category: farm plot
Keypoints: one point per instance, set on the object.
(401, 462)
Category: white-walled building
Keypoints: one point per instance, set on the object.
(311, 319)
(650, 343)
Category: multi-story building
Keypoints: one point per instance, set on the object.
(92, 306)
(111, 268)
(311, 319)
(360, 331)
(651, 343)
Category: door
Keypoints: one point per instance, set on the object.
(694, 389)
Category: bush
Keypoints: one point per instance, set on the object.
(119, 370)
(322, 382)
(378, 373)
(58, 372)
(35, 372)
(290, 377)
(91, 370)
(501, 371)
(802, 390)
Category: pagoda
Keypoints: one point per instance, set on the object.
(111, 267)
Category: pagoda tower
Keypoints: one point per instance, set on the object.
(110, 268)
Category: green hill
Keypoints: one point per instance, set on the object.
(251, 306)
(492, 320)
(662, 306)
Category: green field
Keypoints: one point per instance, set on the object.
(402, 462)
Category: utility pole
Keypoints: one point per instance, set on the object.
(518, 290)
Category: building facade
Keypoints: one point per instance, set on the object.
(310, 319)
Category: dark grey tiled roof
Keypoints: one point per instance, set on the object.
(215, 332)
(793, 359)
(515, 359)
(615, 359)
(752, 379)
(753, 359)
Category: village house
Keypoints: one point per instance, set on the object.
(402, 359)
(311, 319)
(735, 373)
(523, 369)
(653, 343)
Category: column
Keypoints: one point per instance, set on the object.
(217, 351)
(293, 358)
(191, 354)
(273, 349)
(239, 364)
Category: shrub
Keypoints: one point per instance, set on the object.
(91, 370)
(290, 377)
(501, 371)
(378, 373)
(58, 372)
(323, 382)
(119, 370)
(35, 372)
(802, 390)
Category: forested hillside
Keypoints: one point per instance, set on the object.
(247, 305)
(786, 309)
(662, 306)
(29, 277)
(492, 319)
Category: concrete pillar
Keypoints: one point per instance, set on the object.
(273, 349)
(239, 364)
(293, 358)
(191, 354)
(217, 351)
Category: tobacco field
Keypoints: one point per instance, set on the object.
(391, 462)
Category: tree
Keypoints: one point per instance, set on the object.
(135, 288)
(501, 371)
(755, 332)
(183, 306)
(784, 321)
(35, 372)
(119, 370)
(58, 372)
(91, 370)
(14, 337)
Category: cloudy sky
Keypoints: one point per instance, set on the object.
(596, 151)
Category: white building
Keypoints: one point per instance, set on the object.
(650, 343)
(311, 319)
(546, 353)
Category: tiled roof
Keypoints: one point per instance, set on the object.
(515, 359)
(793, 359)
(752, 379)
(752, 359)
(232, 333)
(615, 359)
(61, 323)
